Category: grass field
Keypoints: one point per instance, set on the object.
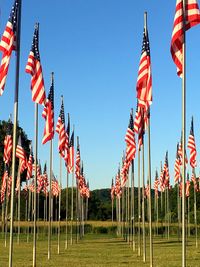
(98, 250)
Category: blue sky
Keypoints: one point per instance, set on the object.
(93, 47)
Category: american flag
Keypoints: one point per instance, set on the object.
(9, 184)
(55, 188)
(156, 184)
(20, 153)
(45, 180)
(78, 162)
(34, 68)
(187, 187)
(112, 191)
(70, 162)
(8, 44)
(141, 129)
(194, 180)
(192, 147)
(60, 129)
(118, 188)
(3, 186)
(177, 171)
(130, 141)
(144, 80)
(40, 180)
(147, 191)
(7, 146)
(166, 176)
(87, 193)
(48, 115)
(192, 18)
(137, 120)
(30, 165)
(67, 140)
(124, 171)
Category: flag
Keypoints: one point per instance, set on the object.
(192, 18)
(3, 186)
(118, 188)
(156, 184)
(112, 191)
(192, 147)
(177, 171)
(20, 153)
(45, 180)
(187, 187)
(8, 44)
(30, 165)
(130, 141)
(7, 148)
(67, 140)
(34, 68)
(144, 80)
(48, 115)
(70, 163)
(141, 130)
(55, 188)
(137, 120)
(166, 176)
(60, 129)
(78, 163)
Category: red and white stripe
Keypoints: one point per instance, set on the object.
(7, 45)
(7, 149)
(34, 68)
(192, 18)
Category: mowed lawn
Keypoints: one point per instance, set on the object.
(98, 250)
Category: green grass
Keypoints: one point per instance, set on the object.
(98, 250)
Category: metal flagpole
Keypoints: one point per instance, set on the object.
(143, 207)
(50, 213)
(149, 171)
(35, 182)
(72, 204)
(66, 231)
(188, 216)
(15, 128)
(59, 204)
(19, 202)
(72, 207)
(139, 207)
(195, 211)
(133, 204)
(183, 139)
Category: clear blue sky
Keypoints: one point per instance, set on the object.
(93, 47)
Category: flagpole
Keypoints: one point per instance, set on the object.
(66, 231)
(72, 204)
(59, 205)
(35, 183)
(50, 182)
(19, 202)
(149, 171)
(133, 204)
(183, 138)
(143, 208)
(139, 206)
(50, 213)
(195, 210)
(18, 30)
